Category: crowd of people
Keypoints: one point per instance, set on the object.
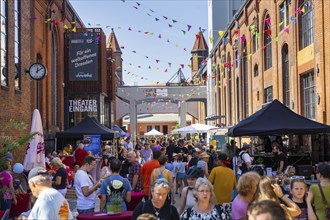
(211, 184)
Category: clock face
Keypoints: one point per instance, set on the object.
(37, 71)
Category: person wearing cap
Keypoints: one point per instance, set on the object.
(170, 150)
(60, 178)
(50, 203)
(223, 180)
(202, 163)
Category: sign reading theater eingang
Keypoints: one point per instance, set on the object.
(83, 56)
(86, 105)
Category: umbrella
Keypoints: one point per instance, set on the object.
(153, 132)
(194, 128)
(35, 151)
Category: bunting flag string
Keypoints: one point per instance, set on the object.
(156, 16)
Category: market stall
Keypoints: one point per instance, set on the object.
(275, 119)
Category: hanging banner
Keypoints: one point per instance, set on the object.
(92, 143)
(83, 60)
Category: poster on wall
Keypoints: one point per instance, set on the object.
(92, 143)
(83, 60)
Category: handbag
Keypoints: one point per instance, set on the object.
(327, 210)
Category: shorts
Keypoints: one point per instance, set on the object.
(180, 176)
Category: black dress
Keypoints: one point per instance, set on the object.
(167, 212)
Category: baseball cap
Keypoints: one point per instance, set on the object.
(37, 171)
(175, 154)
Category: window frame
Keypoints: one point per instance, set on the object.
(17, 43)
(4, 18)
(309, 95)
(307, 25)
(267, 53)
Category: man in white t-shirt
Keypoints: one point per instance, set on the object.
(85, 186)
(50, 203)
(244, 158)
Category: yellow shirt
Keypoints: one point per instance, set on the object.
(223, 180)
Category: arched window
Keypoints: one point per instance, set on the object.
(230, 101)
(267, 43)
(238, 109)
(306, 23)
(285, 75)
(255, 70)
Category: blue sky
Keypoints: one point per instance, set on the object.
(141, 49)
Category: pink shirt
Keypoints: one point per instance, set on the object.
(239, 209)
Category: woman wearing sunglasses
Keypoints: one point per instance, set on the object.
(157, 205)
(205, 208)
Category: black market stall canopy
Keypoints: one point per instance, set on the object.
(276, 119)
(88, 126)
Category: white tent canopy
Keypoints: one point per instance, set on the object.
(153, 132)
(194, 128)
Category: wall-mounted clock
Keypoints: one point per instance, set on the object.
(37, 71)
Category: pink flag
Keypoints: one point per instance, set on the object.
(182, 65)
(159, 36)
(286, 30)
(267, 21)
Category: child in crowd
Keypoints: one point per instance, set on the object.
(286, 179)
(302, 198)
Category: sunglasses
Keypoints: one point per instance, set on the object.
(42, 172)
(297, 179)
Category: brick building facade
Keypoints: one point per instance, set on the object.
(281, 51)
(15, 88)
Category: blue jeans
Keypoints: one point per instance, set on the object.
(84, 211)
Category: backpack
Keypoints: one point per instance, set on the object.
(115, 189)
(243, 167)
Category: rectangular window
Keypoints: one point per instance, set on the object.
(307, 24)
(149, 128)
(157, 127)
(268, 94)
(308, 84)
(254, 43)
(17, 45)
(284, 14)
(165, 129)
(3, 43)
(268, 56)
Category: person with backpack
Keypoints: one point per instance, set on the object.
(157, 205)
(115, 187)
(187, 198)
(203, 163)
(163, 173)
(205, 207)
(244, 159)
